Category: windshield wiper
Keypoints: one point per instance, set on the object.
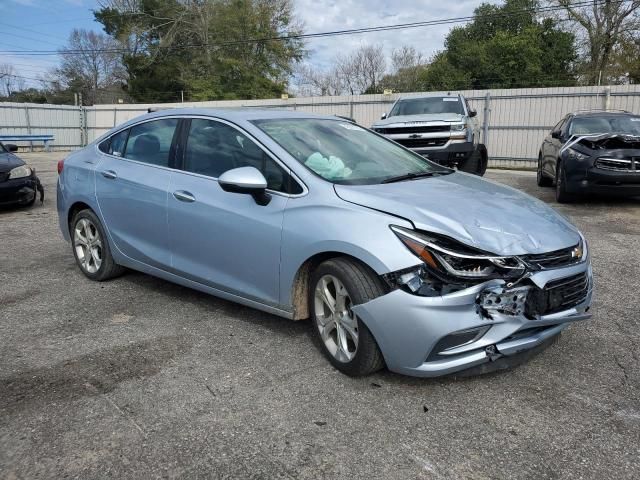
(411, 176)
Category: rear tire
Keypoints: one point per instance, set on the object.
(562, 195)
(91, 248)
(541, 179)
(337, 285)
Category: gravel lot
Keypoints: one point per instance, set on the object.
(140, 378)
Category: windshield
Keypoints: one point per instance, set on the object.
(625, 124)
(344, 153)
(419, 106)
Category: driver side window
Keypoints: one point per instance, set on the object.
(558, 128)
(213, 148)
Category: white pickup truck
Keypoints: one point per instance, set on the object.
(442, 128)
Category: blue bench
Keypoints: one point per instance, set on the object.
(29, 138)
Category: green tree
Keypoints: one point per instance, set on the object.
(504, 46)
(604, 29)
(210, 49)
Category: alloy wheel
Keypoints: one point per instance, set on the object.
(88, 245)
(336, 322)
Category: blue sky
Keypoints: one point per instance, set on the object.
(45, 25)
(40, 25)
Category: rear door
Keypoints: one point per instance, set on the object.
(132, 181)
(222, 239)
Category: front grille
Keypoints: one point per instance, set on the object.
(421, 129)
(558, 295)
(421, 142)
(4, 176)
(619, 164)
(566, 292)
(555, 259)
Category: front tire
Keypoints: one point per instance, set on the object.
(562, 195)
(473, 164)
(541, 179)
(336, 286)
(91, 248)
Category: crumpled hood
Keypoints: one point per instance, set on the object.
(604, 141)
(431, 117)
(8, 161)
(480, 213)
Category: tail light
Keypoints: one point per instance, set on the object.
(60, 166)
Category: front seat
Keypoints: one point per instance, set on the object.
(146, 148)
(207, 153)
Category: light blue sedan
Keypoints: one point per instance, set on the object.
(397, 261)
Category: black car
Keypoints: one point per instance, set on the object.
(19, 184)
(592, 153)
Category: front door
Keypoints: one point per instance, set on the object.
(222, 239)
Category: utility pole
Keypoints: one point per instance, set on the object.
(182, 96)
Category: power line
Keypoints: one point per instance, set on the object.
(354, 31)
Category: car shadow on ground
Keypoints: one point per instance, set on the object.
(219, 306)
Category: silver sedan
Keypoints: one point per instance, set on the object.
(396, 260)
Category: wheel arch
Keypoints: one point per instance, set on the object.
(74, 209)
(300, 285)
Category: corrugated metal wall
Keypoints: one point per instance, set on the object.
(30, 118)
(518, 119)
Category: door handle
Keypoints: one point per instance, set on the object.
(109, 174)
(184, 196)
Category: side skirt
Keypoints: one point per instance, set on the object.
(170, 277)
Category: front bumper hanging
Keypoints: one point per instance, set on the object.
(434, 336)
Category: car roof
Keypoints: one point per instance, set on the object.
(235, 114)
(428, 95)
(602, 113)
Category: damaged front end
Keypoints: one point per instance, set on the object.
(603, 163)
(462, 307)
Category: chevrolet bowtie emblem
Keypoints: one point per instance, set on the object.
(415, 135)
(577, 252)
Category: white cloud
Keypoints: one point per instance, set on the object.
(331, 15)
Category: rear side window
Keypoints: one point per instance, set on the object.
(213, 148)
(114, 145)
(150, 142)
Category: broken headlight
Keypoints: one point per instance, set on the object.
(448, 262)
(572, 154)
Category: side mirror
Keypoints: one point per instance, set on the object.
(555, 134)
(247, 180)
(473, 112)
(383, 117)
(11, 147)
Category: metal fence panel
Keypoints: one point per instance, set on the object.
(518, 119)
(28, 118)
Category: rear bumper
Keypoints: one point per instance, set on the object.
(410, 329)
(20, 191)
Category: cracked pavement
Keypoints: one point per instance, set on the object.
(140, 378)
